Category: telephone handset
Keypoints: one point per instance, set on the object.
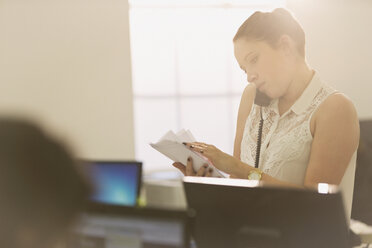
(261, 100)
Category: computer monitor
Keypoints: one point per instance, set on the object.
(241, 213)
(115, 182)
(131, 227)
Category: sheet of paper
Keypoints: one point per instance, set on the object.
(185, 136)
(171, 146)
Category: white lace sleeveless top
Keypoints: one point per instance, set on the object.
(286, 139)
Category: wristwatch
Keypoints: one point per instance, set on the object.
(254, 174)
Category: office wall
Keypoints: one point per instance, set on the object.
(67, 65)
(339, 38)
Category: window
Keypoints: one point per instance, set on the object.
(184, 71)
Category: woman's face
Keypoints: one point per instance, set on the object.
(270, 69)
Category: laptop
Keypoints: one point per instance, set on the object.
(239, 213)
(131, 227)
(113, 219)
(115, 182)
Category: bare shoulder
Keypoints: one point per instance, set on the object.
(337, 112)
(337, 105)
(246, 102)
(249, 91)
(248, 96)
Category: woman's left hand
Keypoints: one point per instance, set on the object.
(188, 169)
(219, 159)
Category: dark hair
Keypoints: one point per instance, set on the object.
(270, 26)
(40, 185)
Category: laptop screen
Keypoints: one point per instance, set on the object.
(115, 182)
(133, 227)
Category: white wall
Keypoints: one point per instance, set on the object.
(66, 63)
(339, 38)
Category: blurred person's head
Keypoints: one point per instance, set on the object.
(41, 188)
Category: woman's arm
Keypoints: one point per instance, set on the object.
(245, 107)
(335, 128)
(231, 165)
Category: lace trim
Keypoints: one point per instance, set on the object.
(250, 138)
(290, 139)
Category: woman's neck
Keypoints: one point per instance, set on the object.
(300, 81)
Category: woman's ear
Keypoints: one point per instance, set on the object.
(287, 45)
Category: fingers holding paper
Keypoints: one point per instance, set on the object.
(188, 170)
(219, 159)
(181, 167)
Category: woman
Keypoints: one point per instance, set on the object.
(310, 131)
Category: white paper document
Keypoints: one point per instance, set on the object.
(171, 146)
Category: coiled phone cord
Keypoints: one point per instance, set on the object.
(259, 137)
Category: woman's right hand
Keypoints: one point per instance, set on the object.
(188, 170)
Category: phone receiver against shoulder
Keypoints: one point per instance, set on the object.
(262, 99)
